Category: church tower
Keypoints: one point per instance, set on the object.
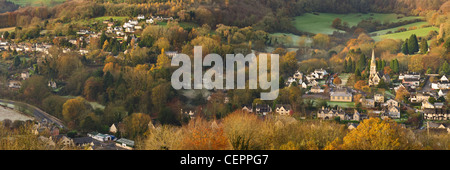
(374, 78)
(373, 65)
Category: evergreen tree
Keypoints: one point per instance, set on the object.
(357, 72)
(413, 44)
(351, 67)
(423, 46)
(16, 61)
(445, 69)
(108, 80)
(346, 66)
(103, 39)
(382, 84)
(405, 47)
(362, 62)
(5, 35)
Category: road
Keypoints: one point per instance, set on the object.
(39, 114)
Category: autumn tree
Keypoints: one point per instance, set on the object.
(136, 124)
(360, 84)
(74, 110)
(401, 94)
(321, 41)
(67, 64)
(35, 89)
(160, 94)
(92, 88)
(337, 81)
(200, 134)
(239, 128)
(162, 43)
(375, 134)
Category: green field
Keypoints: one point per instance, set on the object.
(333, 103)
(406, 34)
(37, 2)
(407, 26)
(119, 18)
(322, 23)
(344, 77)
(9, 29)
(291, 40)
(341, 104)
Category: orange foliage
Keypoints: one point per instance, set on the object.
(201, 135)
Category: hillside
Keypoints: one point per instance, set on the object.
(7, 6)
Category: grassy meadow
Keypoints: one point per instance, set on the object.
(321, 23)
(37, 2)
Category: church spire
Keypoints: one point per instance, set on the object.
(373, 57)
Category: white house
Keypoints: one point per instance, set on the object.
(149, 21)
(14, 84)
(141, 17)
(25, 75)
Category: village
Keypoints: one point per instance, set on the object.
(331, 99)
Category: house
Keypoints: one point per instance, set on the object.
(409, 75)
(133, 22)
(129, 29)
(320, 73)
(141, 17)
(352, 126)
(392, 102)
(100, 137)
(52, 84)
(247, 108)
(412, 82)
(442, 92)
(63, 139)
(438, 105)
(125, 143)
(379, 98)
(149, 21)
(14, 84)
(84, 51)
(262, 109)
(356, 115)
(290, 81)
(171, 54)
(436, 114)
(284, 109)
(393, 112)
(427, 105)
(84, 142)
(298, 75)
(341, 95)
(137, 27)
(304, 85)
(329, 114)
(113, 128)
(25, 75)
(367, 103)
(398, 87)
(418, 97)
(316, 89)
(386, 79)
(191, 114)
